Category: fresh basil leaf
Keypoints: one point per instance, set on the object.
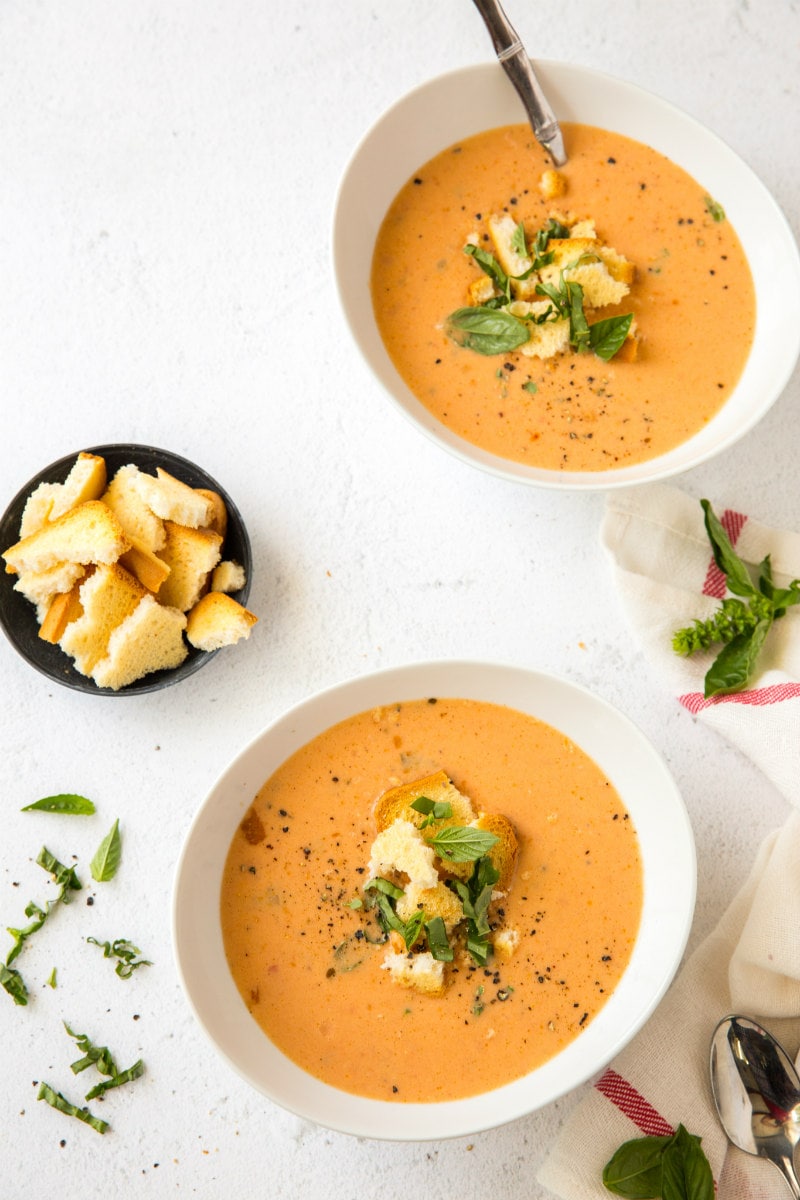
(12, 982)
(107, 857)
(462, 843)
(734, 664)
(490, 266)
(578, 325)
(379, 884)
(56, 1100)
(63, 803)
(117, 1080)
(686, 1173)
(714, 209)
(51, 982)
(726, 558)
(438, 944)
(634, 1169)
(606, 336)
(411, 930)
(518, 243)
(485, 330)
(559, 298)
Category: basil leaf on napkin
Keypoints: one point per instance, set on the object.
(672, 1168)
(686, 1173)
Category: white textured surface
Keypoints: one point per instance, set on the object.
(168, 179)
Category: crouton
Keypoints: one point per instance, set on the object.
(149, 569)
(503, 854)
(173, 500)
(218, 620)
(549, 338)
(41, 586)
(61, 610)
(401, 848)
(191, 555)
(505, 943)
(107, 597)
(134, 515)
(88, 533)
(552, 184)
(422, 972)
(85, 481)
(439, 901)
(228, 576)
(218, 514)
(148, 639)
(438, 787)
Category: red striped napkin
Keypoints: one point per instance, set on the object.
(666, 576)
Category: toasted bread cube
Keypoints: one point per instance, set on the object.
(502, 230)
(149, 639)
(422, 972)
(149, 569)
(108, 596)
(218, 620)
(218, 518)
(439, 901)
(396, 803)
(136, 518)
(88, 533)
(85, 481)
(480, 290)
(62, 609)
(173, 500)
(552, 184)
(401, 848)
(191, 555)
(41, 586)
(503, 854)
(505, 943)
(545, 340)
(228, 576)
(38, 507)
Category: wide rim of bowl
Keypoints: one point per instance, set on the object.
(480, 96)
(16, 613)
(602, 731)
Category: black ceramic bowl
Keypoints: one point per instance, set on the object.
(17, 615)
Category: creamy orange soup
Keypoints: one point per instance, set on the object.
(302, 957)
(692, 300)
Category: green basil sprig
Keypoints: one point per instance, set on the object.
(672, 1168)
(741, 625)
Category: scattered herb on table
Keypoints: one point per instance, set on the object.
(51, 982)
(100, 1057)
(56, 1100)
(672, 1168)
(66, 802)
(742, 621)
(67, 880)
(107, 857)
(125, 952)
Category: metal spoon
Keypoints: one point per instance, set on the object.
(517, 65)
(757, 1093)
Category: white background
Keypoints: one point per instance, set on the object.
(167, 178)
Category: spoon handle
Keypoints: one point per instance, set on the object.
(512, 56)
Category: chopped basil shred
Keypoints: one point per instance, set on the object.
(68, 882)
(433, 810)
(56, 1100)
(714, 209)
(125, 952)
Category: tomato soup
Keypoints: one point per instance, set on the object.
(304, 955)
(692, 300)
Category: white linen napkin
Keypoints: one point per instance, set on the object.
(666, 576)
